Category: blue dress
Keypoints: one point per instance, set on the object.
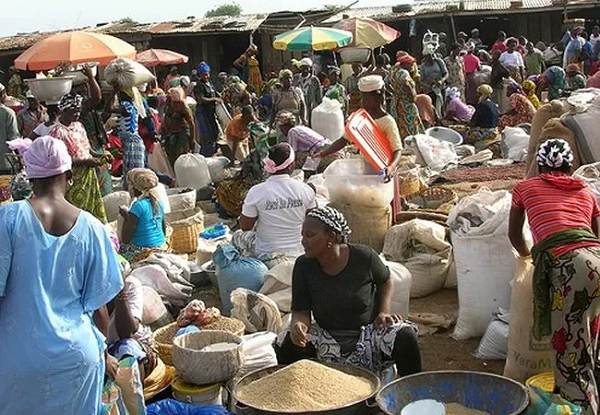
(51, 353)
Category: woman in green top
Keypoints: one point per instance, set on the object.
(337, 90)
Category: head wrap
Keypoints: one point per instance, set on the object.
(222, 75)
(573, 67)
(175, 82)
(185, 81)
(70, 101)
(452, 92)
(484, 91)
(461, 34)
(271, 167)
(333, 219)
(305, 62)
(404, 58)
(529, 87)
(370, 83)
(203, 68)
(285, 118)
(177, 94)
(470, 46)
(541, 46)
(285, 74)
(145, 181)
(296, 63)
(514, 88)
(555, 154)
(44, 157)
(234, 79)
(474, 30)
(333, 69)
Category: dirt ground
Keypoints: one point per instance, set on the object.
(440, 351)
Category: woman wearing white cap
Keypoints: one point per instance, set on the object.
(372, 100)
(310, 86)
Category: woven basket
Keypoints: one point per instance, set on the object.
(187, 225)
(433, 197)
(230, 195)
(163, 337)
(201, 367)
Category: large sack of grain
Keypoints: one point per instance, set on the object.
(127, 73)
(590, 173)
(555, 128)
(402, 280)
(422, 248)
(526, 356)
(485, 261)
(553, 109)
(113, 201)
(582, 120)
(192, 171)
(278, 286)
(368, 224)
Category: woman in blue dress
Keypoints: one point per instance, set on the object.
(57, 272)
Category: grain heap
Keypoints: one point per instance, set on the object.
(305, 386)
(458, 409)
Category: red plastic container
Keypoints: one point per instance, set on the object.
(370, 139)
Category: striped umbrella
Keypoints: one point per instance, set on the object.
(312, 38)
(368, 32)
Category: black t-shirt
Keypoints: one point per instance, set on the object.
(486, 115)
(205, 91)
(346, 301)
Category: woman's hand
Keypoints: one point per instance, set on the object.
(111, 366)
(384, 320)
(298, 334)
(123, 211)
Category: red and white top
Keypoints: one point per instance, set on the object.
(74, 137)
(556, 202)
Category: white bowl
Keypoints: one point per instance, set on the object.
(355, 55)
(445, 134)
(50, 90)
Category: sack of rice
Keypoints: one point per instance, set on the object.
(368, 224)
(127, 73)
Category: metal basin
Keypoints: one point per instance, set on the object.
(353, 408)
(486, 392)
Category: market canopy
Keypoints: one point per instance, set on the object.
(368, 32)
(312, 38)
(155, 57)
(73, 48)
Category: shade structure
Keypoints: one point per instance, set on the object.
(368, 32)
(312, 38)
(73, 48)
(155, 57)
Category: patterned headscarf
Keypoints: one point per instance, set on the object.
(285, 74)
(484, 91)
(404, 58)
(555, 154)
(203, 68)
(452, 93)
(529, 87)
(70, 101)
(285, 118)
(514, 88)
(333, 219)
(145, 181)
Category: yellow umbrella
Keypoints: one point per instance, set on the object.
(312, 38)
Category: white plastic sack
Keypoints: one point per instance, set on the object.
(113, 201)
(278, 286)
(257, 311)
(485, 260)
(216, 168)
(328, 119)
(127, 73)
(421, 247)
(257, 352)
(526, 356)
(192, 171)
(494, 344)
(590, 173)
(431, 152)
(163, 197)
(223, 115)
(155, 277)
(402, 280)
(515, 143)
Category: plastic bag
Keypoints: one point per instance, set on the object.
(590, 173)
(192, 171)
(544, 403)
(235, 271)
(257, 311)
(432, 152)
(515, 142)
(494, 344)
(127, 73)
(328, 119)
(131, 387)
(173, 407)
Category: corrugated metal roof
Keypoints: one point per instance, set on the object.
(474, 5)
(536, 4)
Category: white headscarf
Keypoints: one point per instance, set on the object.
(370, 83)
(305, 62)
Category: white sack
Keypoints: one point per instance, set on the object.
(192, 171)
(328, 119)
(432, 152)
(127, 73)
(494, 344)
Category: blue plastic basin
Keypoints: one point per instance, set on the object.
(486, 392)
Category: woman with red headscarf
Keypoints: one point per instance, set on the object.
(521, 109)
(404, 99)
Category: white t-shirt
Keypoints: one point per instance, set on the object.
(512, 60)
(280, 205)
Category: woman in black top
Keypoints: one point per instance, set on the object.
(483, 128)
(341, 296)
(206, 118)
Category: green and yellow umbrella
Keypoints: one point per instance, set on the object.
(312, 38)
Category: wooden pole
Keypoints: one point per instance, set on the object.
(453, 27)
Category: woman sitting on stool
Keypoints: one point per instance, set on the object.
(341, 296)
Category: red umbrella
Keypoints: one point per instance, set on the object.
(155, 57)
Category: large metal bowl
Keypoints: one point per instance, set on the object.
(486, 392)
(361, 407)
(50, 90)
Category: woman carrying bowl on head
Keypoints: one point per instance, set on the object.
(341, 295)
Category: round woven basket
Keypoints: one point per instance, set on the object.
(163, 337)
(202, 367)
(432, 197)
(187, 225)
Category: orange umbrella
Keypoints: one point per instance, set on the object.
(368, 32)
(155, 57)
(74, 48)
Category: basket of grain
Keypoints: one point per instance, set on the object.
(163, 337)
(187, 225)
(432, 197)
(319, 388)
(207, 356)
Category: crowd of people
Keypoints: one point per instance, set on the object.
(71, 152)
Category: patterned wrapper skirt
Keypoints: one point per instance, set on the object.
(85, 192)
